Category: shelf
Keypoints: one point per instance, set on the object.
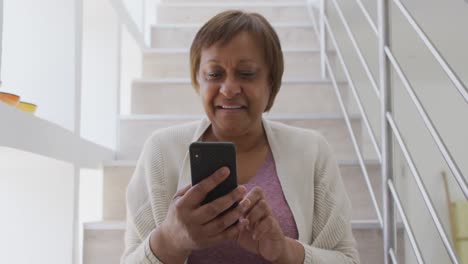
(23, 131)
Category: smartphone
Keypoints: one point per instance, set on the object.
(208, 157)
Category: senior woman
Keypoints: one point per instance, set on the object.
(293, 207)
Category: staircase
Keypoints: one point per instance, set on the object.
(163, 96)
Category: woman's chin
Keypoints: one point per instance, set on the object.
(231, 128)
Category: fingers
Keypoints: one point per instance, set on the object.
(197, 193)
(255, 195)
(221, 223)
(267, 225)
(258, 212)
(209, 211)
(182, 191)
(259, 207)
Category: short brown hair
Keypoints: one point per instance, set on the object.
(225, 26)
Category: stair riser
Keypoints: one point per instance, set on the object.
(159, 98)
(116, 180)
(103, 246)
(107, 246)
(173, 14)
(293, 37)
(133, 133)
(299, 65)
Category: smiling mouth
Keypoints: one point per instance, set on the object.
(230, 107)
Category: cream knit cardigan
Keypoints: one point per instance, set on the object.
(306, 169)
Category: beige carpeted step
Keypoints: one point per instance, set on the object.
(190, 12)
(292, 36)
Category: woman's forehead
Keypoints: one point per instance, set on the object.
(243, 48)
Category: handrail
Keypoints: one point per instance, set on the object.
(323, 39)
(368, 17)
(357, 48)
(422, 189)
(429, 125)
(393, 256)
(129, 23)
(354, 140)
(354, 90)
(440, 59)
(388, 127)
(406, 224)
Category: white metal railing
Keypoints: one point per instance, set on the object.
(389, 128)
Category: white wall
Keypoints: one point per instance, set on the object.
(443, 22)
(100, 72)
(36, 209)
(1, 38)
(38, 56)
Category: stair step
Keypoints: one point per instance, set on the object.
(104, 242)
(292, 36)
(135, 129)
(157, 97)
(117, 175)
(299, 64)
(189, 12)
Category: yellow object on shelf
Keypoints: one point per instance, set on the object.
(460, 228)
(10, 99)
(27, 107)
(458, 215)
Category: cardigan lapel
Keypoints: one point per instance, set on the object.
(184, 174)
(284, 157)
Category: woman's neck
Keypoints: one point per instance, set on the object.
(252, 140)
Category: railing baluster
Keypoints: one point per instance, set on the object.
(429, 125)
(357, 48)
(368, 17)
(387, 144)
(353, 89)
(364, 116)
(445, 66)
(427, 199)
(406, 224)
(323, 38)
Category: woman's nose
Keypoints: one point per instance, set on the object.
(230, 87)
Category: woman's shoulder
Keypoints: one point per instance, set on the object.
(175, 133)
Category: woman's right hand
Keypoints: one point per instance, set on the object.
(190, 226)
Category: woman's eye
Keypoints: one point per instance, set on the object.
(247, 74)
(213, 75)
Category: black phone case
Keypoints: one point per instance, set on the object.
(208, 157)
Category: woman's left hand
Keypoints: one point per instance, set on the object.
(263, 235)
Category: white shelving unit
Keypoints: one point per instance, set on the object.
(29, 133)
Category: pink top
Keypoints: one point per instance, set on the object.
(229, 251)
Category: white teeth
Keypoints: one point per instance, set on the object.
(231, 107)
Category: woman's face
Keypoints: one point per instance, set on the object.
(234, 85)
